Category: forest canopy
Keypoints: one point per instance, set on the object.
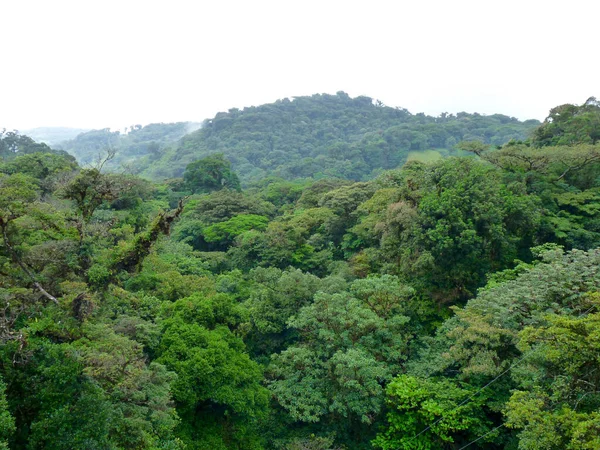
(289, 279)
(319, 136)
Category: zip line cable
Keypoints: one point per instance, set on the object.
(474, 394)
(512, 366)
(482, 436)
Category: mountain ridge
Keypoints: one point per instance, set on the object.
(314, 136)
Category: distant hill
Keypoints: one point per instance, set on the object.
(328, 135)
(314, 136)
(53, 135)
(135, 148)
(14, 144)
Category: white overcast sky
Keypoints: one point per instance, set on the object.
(95, 64)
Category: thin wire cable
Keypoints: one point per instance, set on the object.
(512, 366)
(501, 425)
(474, 394)
(481, 437)
(586, 311)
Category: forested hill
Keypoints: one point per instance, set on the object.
(329, 136)
(307, 137)
(134, 148)
(53, 136)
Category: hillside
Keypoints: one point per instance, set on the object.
(54, 135)
(328, 136)
(305, 137)
(135, 148)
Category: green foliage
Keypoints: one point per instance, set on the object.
(90, 188)
(278, 295)
(96, 392)
(211, 368)
(7, 422)
(570, 124)
(135, 147)
(349, 348)
(486, 342)
(225, 204)
(214, 371)
(212, 173)
(429, 414)
(13, 144)
(18, 192)
(46, 168)
(226, 232)
(456, 222)
(483, 335)
(384, 295)
(440, 303)
(312, 443)
(424, 156)
(556, 405)
(327, 136)
(281, 192)
(566, 180)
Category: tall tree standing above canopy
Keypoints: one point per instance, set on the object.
(570, 124)
(211, 174)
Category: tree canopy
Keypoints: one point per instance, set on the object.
(348, 300)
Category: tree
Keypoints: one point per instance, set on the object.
(40, 165)
(13, 144)
(456, 222)
(223, 233)
(209, 174)
(349, 348)
(223, 205)
(324, 136)
(90, 188)
(18, 192)
(556, 404)
(217, 381)
(429, 414)
(7, 421)
(570, 124)
(96, 391)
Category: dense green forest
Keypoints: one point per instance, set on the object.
(311, 292)
(326, 136)
(133, 149)
(322, 136)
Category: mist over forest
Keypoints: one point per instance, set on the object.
(318, 273)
